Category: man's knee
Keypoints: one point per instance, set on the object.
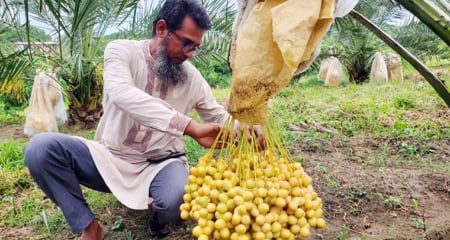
(167, 190)
(36, 152)
(170, 202)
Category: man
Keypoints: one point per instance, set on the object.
(138, 150)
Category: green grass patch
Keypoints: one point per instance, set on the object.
(308, 109)
(194, 151)
(220, 93)
(12, 116)
(11, 156)
(100, 200)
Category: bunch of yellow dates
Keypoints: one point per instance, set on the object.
(246, 194)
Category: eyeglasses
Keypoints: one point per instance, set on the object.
(188, 45)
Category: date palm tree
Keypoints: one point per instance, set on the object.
(426, 12)
(355, 43)
(80, 27)
(13, 63)
(433, 13)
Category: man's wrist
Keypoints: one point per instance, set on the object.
(190, 128)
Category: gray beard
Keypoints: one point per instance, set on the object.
(168, 72)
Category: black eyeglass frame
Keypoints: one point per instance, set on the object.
(188, 45)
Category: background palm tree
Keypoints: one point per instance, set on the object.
(434, 13)
(437, 83)
(80, 27)
(424, 45)
(15, 62)
(212, 61)
(355, 45)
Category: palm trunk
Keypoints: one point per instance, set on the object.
(431, 15)
(437, 84)
(27, 24)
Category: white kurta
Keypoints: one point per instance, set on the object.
(143, 119)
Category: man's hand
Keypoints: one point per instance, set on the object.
(251, 132)
(204, 134)
(258, 133)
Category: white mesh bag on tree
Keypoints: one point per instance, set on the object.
(334, 74)
(378, 71)
(324, 69)
(394, 67)
(46, 105)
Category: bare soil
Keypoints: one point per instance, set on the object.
(372, 188)
(368, 186)
(10, 131)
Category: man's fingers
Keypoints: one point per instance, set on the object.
(260, 136)
(227, 136)
(249, 133)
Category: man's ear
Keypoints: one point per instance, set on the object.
(161, 28)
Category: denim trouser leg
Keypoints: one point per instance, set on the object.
(59, 164)
(167, 190)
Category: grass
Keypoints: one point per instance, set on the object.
(323, 171)
(305, 110)
(386, 110)
(221, 93)
(11, 156)
(11, 115)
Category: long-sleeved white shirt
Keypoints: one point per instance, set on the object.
(144, 119)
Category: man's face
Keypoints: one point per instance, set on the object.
(183, 42)
(175, 48)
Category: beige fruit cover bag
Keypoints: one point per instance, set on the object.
(46, 105)
(255, 188)
(275, 42)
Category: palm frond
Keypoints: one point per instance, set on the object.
(140, 25)
(422, 45)
(10, 11)
(221, 13)
(12, 68)
(435, 17)
(216, 41)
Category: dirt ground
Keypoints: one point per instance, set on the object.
(372, 188)
(368, 187)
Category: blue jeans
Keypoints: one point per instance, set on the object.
(59, 163)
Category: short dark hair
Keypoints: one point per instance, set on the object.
(174, 12)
